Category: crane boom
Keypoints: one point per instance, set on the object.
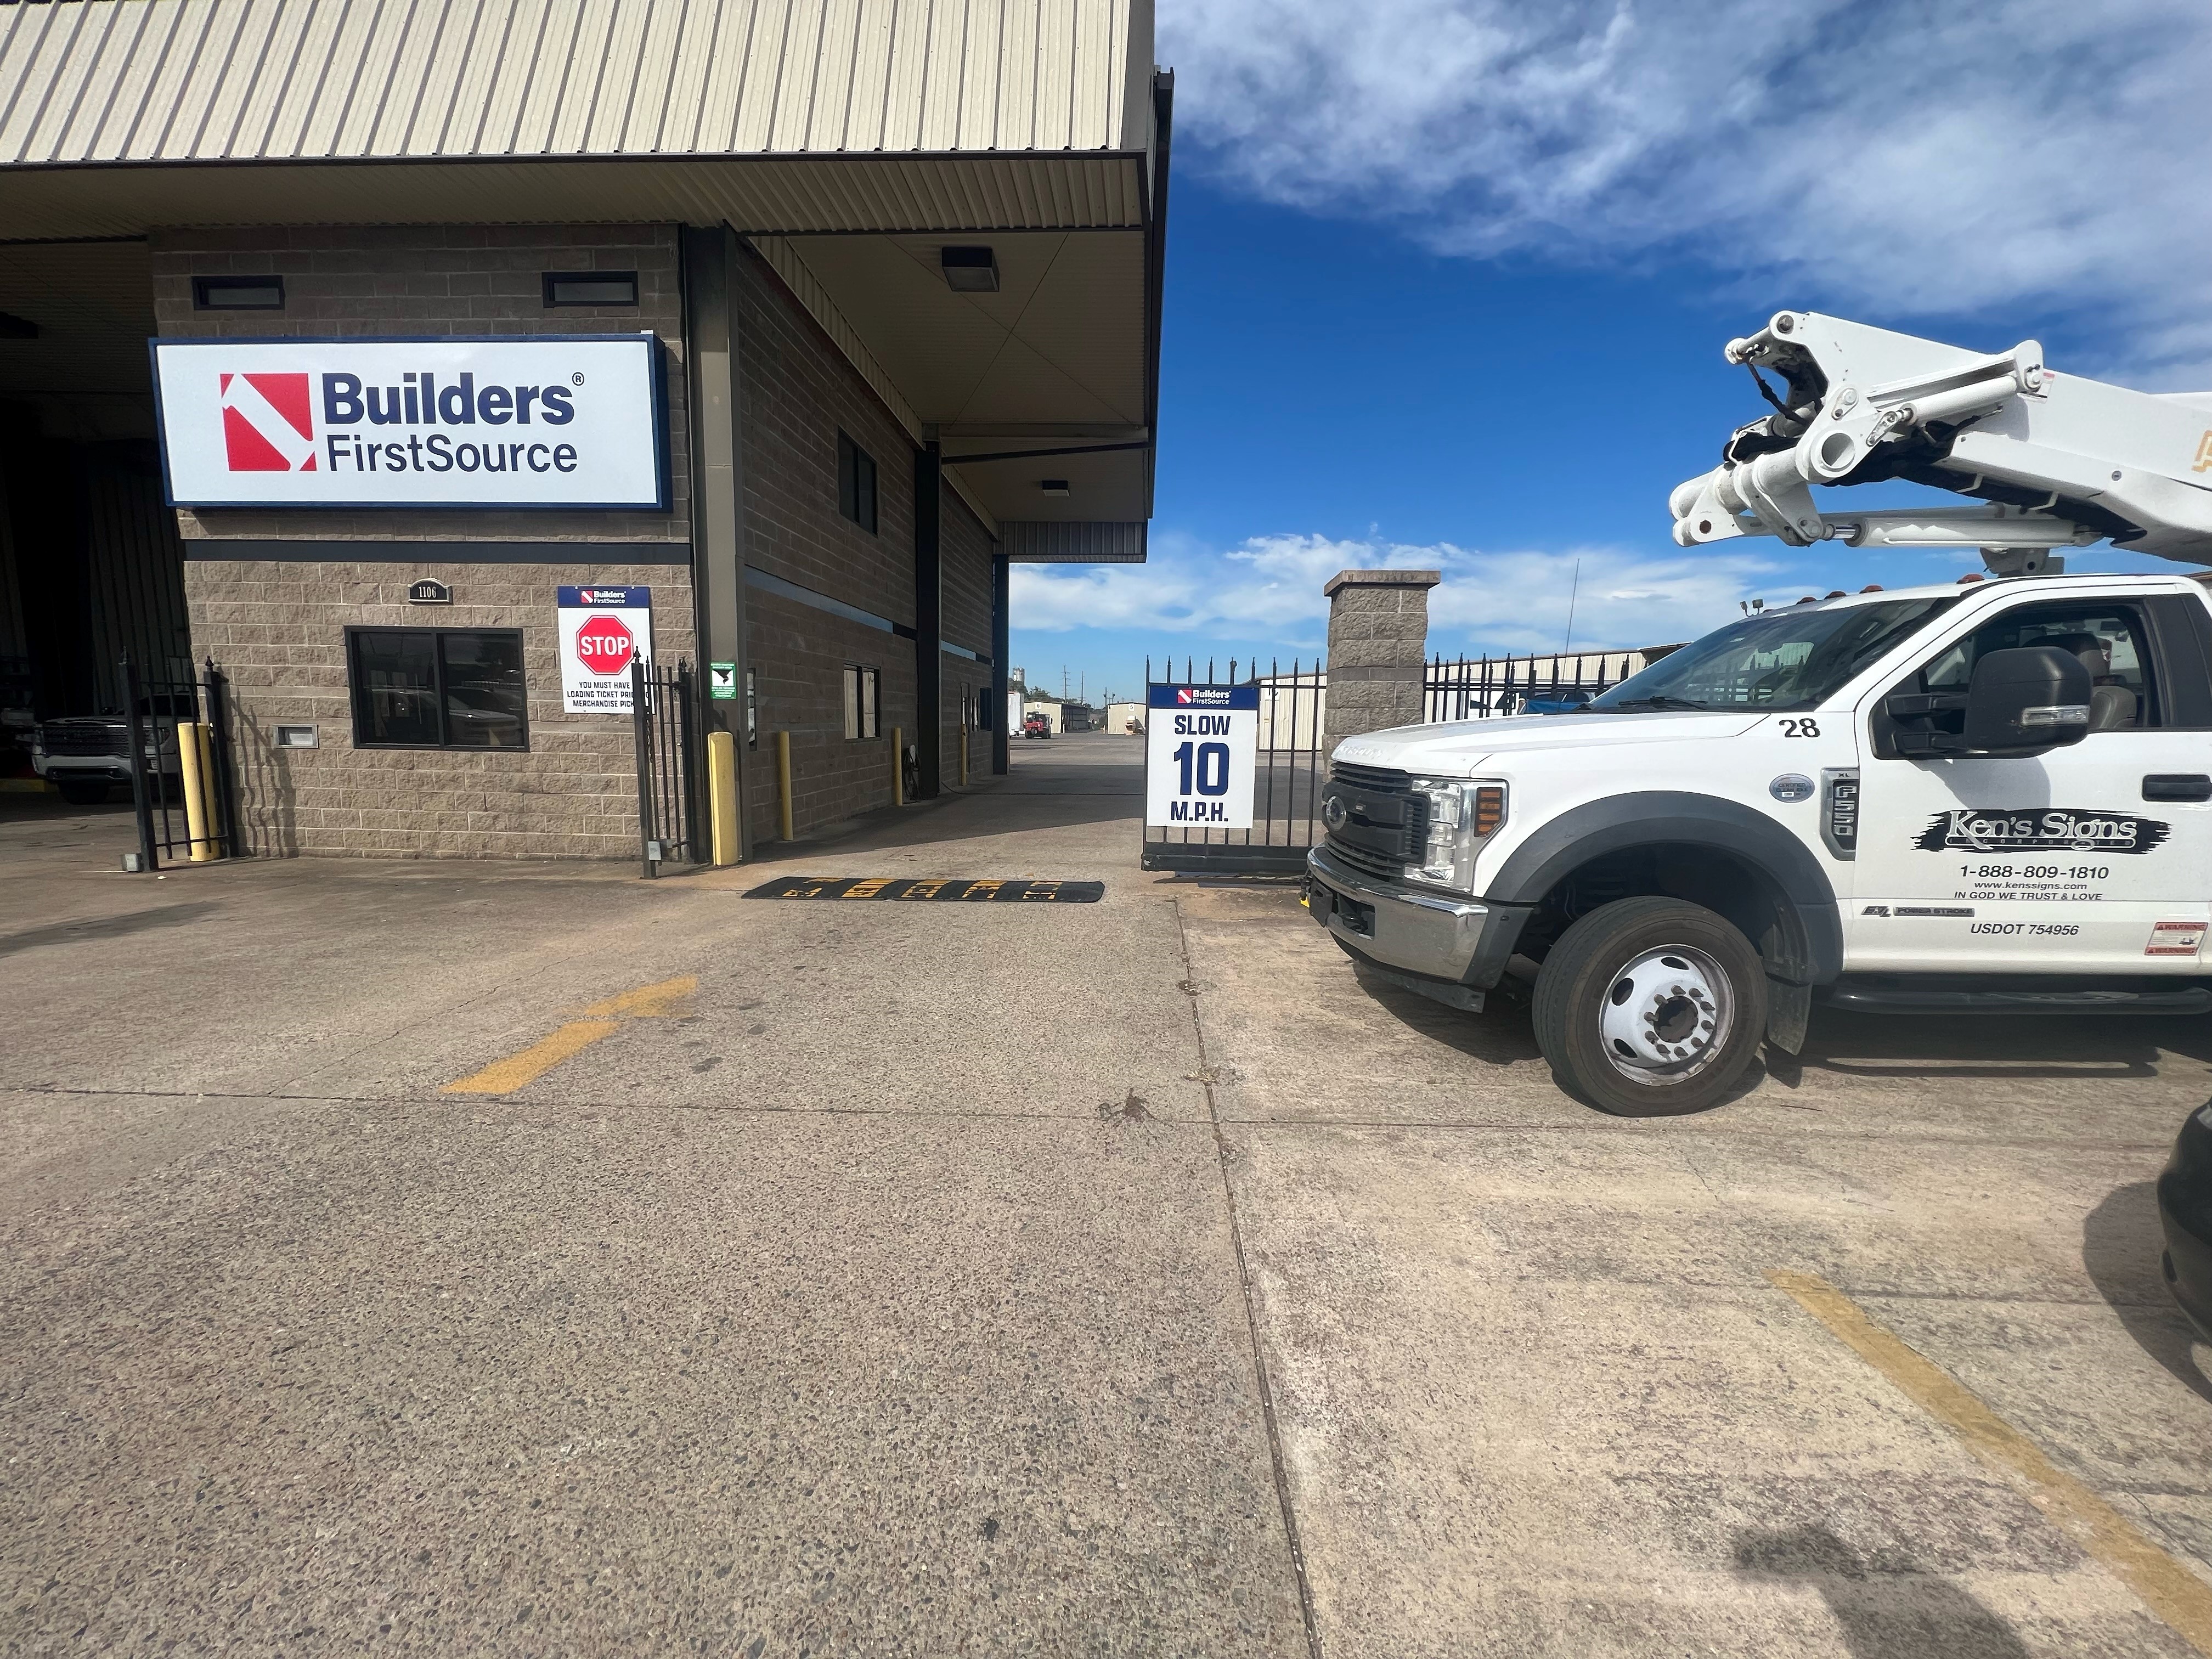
(2058, 460)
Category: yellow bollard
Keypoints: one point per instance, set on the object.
(783, 781)
(192, 764)
(722, 796)
(898, 767)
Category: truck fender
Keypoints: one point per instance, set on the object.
(1811, 934)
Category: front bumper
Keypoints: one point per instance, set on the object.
(1429, 935)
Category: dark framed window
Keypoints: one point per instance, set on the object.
(238, 294)
(2108, 636)
(590, 288)
(437, 688)
(864, 697)
(856, 484)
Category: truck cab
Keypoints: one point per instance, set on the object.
(1993, 795)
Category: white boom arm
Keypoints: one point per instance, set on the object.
(2062, 461)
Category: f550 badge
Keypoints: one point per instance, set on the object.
(2038, 830)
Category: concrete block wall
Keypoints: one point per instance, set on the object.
(278, 627)
(278, 630)
(1378, 624)
(967, 548)
(381, 280)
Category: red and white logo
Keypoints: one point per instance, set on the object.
(605, 646)
(1182, 695)
(268, 423)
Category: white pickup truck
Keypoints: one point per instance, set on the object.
(1991, 796)
(1995, 795)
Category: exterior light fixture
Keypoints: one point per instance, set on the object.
(238, 294)
(970, 270)
(1055, 486)
(590, 288)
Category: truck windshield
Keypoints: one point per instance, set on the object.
(1792, 659)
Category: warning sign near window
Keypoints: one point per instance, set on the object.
(602, 631)
(1201, 743)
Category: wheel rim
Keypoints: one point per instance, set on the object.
(1665, 1015)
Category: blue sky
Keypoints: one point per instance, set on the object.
(1449, 282)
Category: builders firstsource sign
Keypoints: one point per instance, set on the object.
(573, 421)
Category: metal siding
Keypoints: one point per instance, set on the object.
(202, 80)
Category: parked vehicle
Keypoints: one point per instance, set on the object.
(2185, 1209)
(85, 757)
(1991, 796)
(1036, 725)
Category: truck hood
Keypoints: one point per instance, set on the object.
(1456, 745)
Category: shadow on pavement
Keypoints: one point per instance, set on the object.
(2089, 1047)
(117, 926)
(2120, 1246)
(1887, 1611)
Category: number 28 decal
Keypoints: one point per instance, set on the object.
(1801, 728)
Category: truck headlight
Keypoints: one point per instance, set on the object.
(1462, 817)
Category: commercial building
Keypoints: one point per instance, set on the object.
(487, 330)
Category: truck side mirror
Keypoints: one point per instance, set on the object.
(2027, 700)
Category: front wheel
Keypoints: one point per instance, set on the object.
(1651, 1007)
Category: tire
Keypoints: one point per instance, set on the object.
(1684, 1032)
(79, 793)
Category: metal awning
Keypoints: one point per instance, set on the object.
(850, 140)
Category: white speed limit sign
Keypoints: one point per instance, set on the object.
(1199, 746)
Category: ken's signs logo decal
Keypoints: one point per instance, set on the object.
(2039, 829)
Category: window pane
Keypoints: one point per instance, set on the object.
(484, 707)
(2102, 636)
(1780, 659)
(852, 702)
(849, 498)
(871, 682)
(864, 481)
(395, 687)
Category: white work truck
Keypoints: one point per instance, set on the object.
(1995, 795)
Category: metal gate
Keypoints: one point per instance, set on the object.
(176, 736)
(663, 707)
(1285, 785)
(1476, 688)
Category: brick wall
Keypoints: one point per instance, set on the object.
(278, 628)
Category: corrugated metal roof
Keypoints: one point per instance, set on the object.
(153, 81)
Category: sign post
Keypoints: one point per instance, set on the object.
(1202, 744)
(602, 631)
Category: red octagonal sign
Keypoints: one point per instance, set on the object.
(605, 646)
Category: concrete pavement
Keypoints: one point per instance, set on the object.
(896, 1290)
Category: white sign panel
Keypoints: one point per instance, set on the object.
(558, 420)
(603, 630)
(1202, 744)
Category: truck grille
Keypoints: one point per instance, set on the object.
(71, 738)
(1387, 824)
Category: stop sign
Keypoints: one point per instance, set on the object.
(604, 644)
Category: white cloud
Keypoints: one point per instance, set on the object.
(1266, 594)
(1886, 156)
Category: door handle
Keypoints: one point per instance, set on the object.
(2177, 785)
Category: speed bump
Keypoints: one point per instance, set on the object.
(934, 890)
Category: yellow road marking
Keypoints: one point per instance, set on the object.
(2168, 1588)
(602, 1019)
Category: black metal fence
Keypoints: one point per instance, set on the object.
(662, 704)
(1475, 688)
(1289, 771)
(175, 739)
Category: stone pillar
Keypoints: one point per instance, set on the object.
(1379, 637)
